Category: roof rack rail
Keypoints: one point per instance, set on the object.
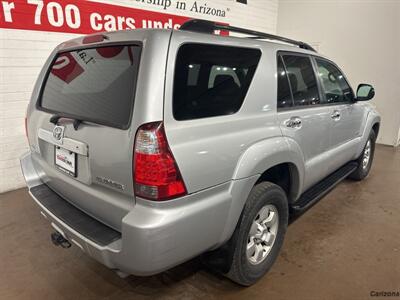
(204, 26)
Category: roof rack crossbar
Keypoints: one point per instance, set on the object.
(204, 26)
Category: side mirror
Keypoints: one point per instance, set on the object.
(365, 92)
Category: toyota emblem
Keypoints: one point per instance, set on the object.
(58, 133)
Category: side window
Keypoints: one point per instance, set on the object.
(302, 80)
(284, 95)
(335, 86)
(212, 80)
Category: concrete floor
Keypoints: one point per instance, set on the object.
(343, 248)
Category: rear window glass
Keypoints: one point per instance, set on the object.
(96, 84)
(212, 80)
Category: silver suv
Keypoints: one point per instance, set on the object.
(151, 147)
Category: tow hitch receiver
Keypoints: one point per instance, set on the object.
(59, 240)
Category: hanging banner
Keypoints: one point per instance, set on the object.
(77, 16)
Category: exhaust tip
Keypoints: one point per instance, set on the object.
(58, 240)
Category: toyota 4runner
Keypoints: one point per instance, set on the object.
(151, 147)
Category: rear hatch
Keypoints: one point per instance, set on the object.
(84, 128)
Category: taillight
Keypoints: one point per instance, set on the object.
(156, 173)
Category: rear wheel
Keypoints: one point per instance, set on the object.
(260, 233)
(365, 159)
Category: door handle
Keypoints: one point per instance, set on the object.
(335, 115)
(293, 122)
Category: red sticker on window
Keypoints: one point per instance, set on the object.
(66, 68)
(109, 52)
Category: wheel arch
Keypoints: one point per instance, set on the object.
(221, 257)
(269, 156)
(286, 175)
(372, 123)
(264, 161)
(376, 128)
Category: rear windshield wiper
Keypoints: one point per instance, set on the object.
(55, 118)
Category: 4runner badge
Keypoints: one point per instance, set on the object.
(58, 133)
(110, 183)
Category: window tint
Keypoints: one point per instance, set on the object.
(93, 84)
(212, 80)
(335, 86)
(284, 94)
(302, 80)
(193, 74)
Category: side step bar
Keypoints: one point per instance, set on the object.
(322, 188)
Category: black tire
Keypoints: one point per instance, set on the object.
(241, 270)
(362, 171)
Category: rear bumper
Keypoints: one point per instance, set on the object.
(154, 236)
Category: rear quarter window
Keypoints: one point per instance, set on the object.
(95, 84)
(212, 80)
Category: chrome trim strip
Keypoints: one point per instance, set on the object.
(67, 143)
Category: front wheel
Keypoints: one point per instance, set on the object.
(365, 159)
(260, 233)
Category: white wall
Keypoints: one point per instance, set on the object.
(363, 37)
(23, 52)
(398, 139)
